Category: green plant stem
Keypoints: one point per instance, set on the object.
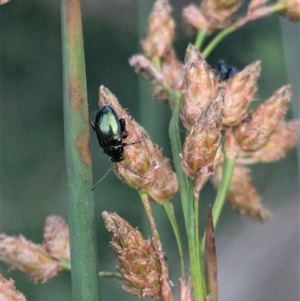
(84, 272)
(277, 7)
(110, 275)
(225, 183)
(164, 277)
(197, 242)
(228, 167)
(200, 38)
(65, 265)
(196, 210)
(186, 194)
(168, 206)
(217, 39)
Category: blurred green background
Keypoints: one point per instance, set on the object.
(33, 177)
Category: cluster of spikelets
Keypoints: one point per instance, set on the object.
(212, 110)
(40, 262)
(152, 171)
(214, 15)
(218, 120)
(216, 114)
(139, 262)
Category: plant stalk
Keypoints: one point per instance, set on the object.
(84, 273)
(186, 193)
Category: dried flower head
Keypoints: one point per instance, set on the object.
(160, 31)
(256, 4)
(56, 238)
(279, 144)
(241, 195)
(239, 93)
(3, 2)
(185, 290)
(166, 184)
(256, 10)
(193, 19)
(137, 168)
(138, 261)
(172, 72)
(218, 13)
(8, 291)
(144, 66)
(254, 134)
(202, 148)
(199, 87)
(143, 162)
(292, 10)
(169, 77)
(27, 257)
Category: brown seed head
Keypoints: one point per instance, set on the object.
(185, 290)
(253, 135)
(27, 257)
(255, 4)
(137, 168)
(279, 144)
(169, 77)
(144, 66)
(166, 184)
(56, 238)
(242, 196)
(8, 291)
(172, 72)
(218, 13)
(239, 92)
(256, 10)
(199, 87)
(193, 19)
(138, 261)
(292, 11)
(202, 148)
(160, 32)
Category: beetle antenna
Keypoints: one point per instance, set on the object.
(134, 171)
(102, 178)
(131, 143)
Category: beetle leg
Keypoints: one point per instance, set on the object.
(93, 125)
(131, 143)
(122, 124)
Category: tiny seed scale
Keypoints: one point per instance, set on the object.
(110, 131)
(225, 72)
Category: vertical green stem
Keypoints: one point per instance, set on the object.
(84, 271)
(166, 294)
(168, 206)
(222, 192)
(200, 38)
(186, 194)
(197, 242)
(196, 210)
(228, 167)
